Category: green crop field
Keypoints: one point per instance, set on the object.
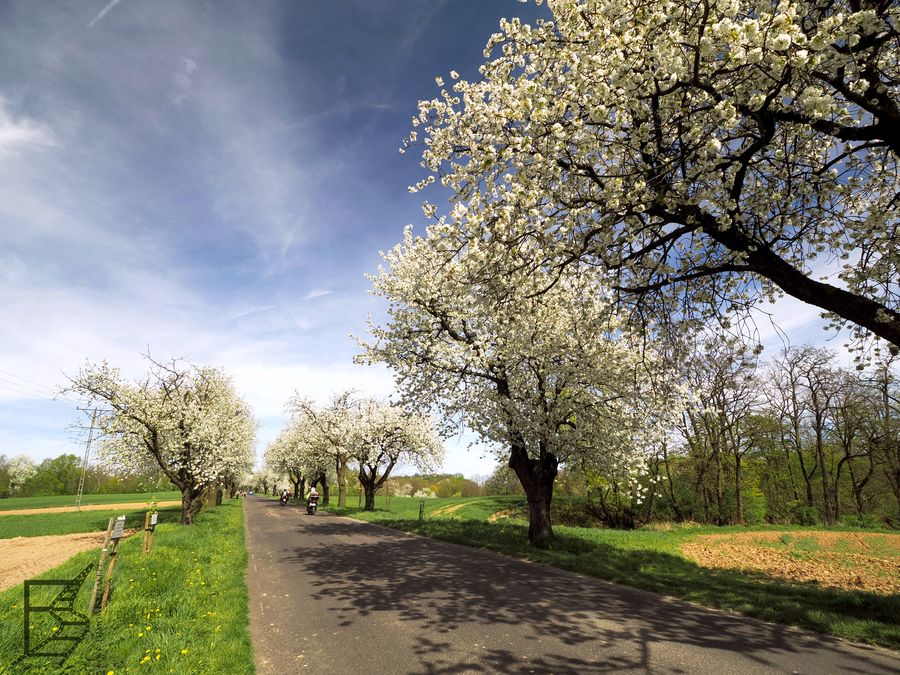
(653, 559)
(15, 503)
(40, 524)
(182, 610)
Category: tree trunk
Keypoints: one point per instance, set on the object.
(836, 493)
(678, 517)
(720, 489)
(807, 478)
(859, 485)
(790, 470)
(191, 503)
(370, 497)
(341, 468)
(826, 492)
(798, 447)
(219, 494)
(739, 498)
(322, 480)
(369, 485)
(536, 477)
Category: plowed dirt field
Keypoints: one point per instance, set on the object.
(22, 558)
(849, 560)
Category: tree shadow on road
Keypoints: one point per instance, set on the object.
(584, 625)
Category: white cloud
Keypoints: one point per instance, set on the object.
(181, 81)
(20, 134)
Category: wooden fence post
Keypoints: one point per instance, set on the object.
(99, 578)
(146, 534)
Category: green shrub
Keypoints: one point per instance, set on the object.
(754, 506)
(869, 521)
(801, 514)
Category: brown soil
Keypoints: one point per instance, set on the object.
(23, 558)
(847, 560)
(508, 513)
(87, 507)
(447, 510)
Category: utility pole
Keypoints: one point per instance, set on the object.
(84, 463)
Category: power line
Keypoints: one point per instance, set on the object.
(41, 396)
(25, 394)
(25, 379)
(26, 387)
(41, 389)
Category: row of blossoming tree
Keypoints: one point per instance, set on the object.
(621, 176)
(323, 444)
(187, 421)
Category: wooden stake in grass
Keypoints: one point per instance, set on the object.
(149, 529)
(152, 532)
(146, 534)
(99, 578)
(116, 536)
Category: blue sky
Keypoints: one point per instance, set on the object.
(211, 180)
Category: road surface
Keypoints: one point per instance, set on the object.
(337, 596)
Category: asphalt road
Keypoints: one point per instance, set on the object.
(338, 596)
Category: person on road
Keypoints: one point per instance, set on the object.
(312, 501)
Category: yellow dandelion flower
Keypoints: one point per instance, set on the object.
(157, 657)
(184, 651)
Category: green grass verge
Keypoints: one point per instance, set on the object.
(651, 560)
(40, 524)
(14, 503)
(182, 610)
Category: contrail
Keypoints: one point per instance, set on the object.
(103, 12)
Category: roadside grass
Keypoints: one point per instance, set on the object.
(13, 503)
(40, 524)
(651, 559)
(182, 610)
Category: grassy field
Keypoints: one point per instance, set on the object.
(14, 503)
(183, 610)
(653, 560)
(39, 524)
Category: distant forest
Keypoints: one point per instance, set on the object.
(20, 476)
